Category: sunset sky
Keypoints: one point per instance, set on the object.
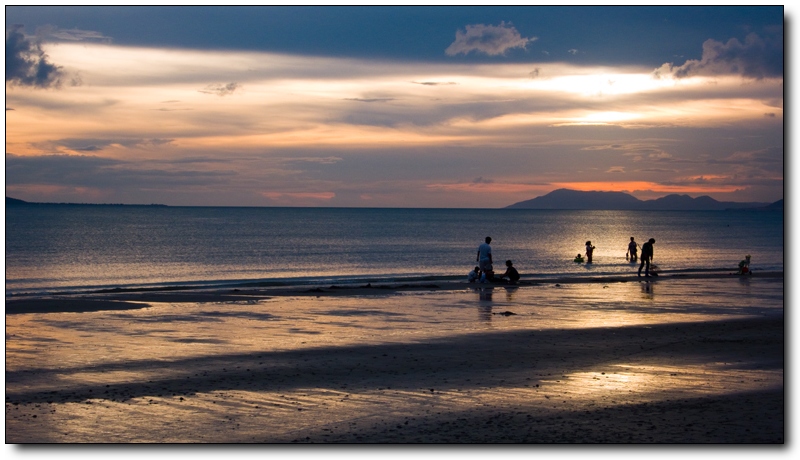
(392, 106)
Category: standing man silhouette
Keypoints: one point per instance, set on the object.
(484, 257)
(632, 250)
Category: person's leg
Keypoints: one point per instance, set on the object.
(647, 267)
(641, 265)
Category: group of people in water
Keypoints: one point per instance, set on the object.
(484, 271)
(632, 254)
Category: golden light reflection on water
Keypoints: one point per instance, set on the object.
(649, 381)
(178, 331)
(276, 369)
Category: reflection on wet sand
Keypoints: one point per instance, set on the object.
(485, 303)
(648, 288)
(701, 362)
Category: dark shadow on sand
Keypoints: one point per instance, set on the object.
(468, 361)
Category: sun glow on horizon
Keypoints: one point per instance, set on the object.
(437, 125)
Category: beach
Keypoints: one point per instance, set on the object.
(682, 358)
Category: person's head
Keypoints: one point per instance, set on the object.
(509, 263)
(488, 239)
(631, 238)
(588, 243)
(579, 255)
(477, 269)
(652, 240)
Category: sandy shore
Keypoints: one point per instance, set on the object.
(683, 359)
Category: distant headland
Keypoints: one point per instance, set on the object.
(17, 202)
(619, 201)
(562, 199)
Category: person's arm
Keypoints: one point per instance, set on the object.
(478, 257)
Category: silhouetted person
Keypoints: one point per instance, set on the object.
(589, 250)
(647, 257)
(474, 275)
(511, 273)
(633, 248)
(744, 266)
(484, 257)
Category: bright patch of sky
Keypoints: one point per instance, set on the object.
(406, 106)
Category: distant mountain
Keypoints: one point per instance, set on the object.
(619, 201)
(10, 202)
(573, 199)
(773, 207)
(15, 202)
(778, 205)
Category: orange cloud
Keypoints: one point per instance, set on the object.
(302, 195)
(641, 186)
(627, 187)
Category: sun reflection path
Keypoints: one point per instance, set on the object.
(700, 360)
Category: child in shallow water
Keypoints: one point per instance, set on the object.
(474, 275)
(579, 259)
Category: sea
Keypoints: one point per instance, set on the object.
(52, 249)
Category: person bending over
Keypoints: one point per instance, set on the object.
(647, 257)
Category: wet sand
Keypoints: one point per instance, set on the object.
(681, 359)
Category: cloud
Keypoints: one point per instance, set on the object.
(572, 51)
(299, 198)
(371, 99)
(489, 187)
(26, 63)
(319, 160)
(434, 83)
(491, 40)
(50, 32)
(220, 89)
(102, 173)
(96, 145)
(756, 58)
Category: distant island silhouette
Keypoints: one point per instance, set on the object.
(620, 201)
(17, 202)
(564, 199)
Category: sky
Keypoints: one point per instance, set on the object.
(453, 106)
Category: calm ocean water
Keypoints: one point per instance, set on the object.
(73, 248)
